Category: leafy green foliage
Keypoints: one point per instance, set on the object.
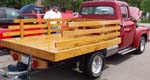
(136, 3)
(67, 4)
(15, 3)
(145, 5)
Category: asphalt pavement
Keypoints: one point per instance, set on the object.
(118, 67)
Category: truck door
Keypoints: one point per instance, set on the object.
(127, 28)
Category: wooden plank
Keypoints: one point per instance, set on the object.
(40, 41)
(28, 50)
(82, 32)
(111, 35)
(113, 28)
(11, 33)
(16, 33)
(35, 31)
(14, 27)
(60, 45)
(49, 29)
(21, 29)
(38, 20)
(30, 20)
(82, 19)
(74, 52)
(27, 32)
(92, 23)
(89, 31)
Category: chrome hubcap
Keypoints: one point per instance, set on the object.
(142, 45)
(97, 65)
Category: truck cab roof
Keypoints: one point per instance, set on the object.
(96, 2)
(105, 5)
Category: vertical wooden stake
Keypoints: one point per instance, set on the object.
(48, 30)
(103, 33)
(49, 27)
(22, 29)
(62, 27)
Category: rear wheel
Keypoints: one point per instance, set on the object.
(94, 65)
(141, 48)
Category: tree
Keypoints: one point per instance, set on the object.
(15, 3)
(68, 4)
(145, 5)
(136, 3)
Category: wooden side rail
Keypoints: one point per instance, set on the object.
(85, 32)
(35, 26)
(78, 38)
(89, 31)
(96, 31)
(28, 26)
(93, 23)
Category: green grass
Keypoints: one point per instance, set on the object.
(145, 20)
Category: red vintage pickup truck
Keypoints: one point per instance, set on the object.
(89, 57)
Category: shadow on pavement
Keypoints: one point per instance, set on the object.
(58, 74)
(117, 59)
(68, 74)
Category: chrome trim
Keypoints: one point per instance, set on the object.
(112, 50)
(123, 52)
(5, 73)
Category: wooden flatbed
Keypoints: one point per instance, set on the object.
(78, 37)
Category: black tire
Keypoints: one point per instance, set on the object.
(141, 47)
(88, 68)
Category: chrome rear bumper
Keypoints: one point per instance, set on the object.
(8, 74)
(15, 75)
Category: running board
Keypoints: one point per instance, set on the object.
(127, 50)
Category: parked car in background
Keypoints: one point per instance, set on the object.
(7, 15)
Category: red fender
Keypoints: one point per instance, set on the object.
(140, 31)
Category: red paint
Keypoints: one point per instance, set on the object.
(34, 64)
(14, 56)
(130, 33)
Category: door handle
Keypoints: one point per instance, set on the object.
(127, 29)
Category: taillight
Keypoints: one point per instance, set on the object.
(34, 64)
(14, 56)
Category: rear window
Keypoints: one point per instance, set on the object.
(98, 10)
